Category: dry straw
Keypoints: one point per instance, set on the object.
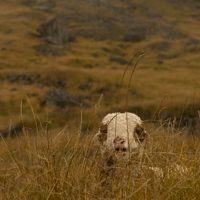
(43, 164)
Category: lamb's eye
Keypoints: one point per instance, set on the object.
(105, 131)
(138, 132)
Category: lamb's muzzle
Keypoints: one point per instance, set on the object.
(119, 145)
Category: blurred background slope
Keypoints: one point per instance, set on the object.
(61, 56)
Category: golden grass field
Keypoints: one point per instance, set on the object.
(54, 157)
(66, 165)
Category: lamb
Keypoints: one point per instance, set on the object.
(122, 138)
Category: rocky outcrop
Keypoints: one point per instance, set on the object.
(139, 29)
(54, 30)
(136, 32)
(159, 46)
(63, 99)
(45, 5)
(28, 2)
(11, 131)
(23, 79)
(118, 59)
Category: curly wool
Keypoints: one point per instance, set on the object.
(120, 125)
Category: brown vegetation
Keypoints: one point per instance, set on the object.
(40, 163)
(65, 166)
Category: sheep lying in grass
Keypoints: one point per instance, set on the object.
(122, 138)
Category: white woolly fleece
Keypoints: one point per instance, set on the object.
(122, 125)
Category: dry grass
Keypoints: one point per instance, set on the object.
(66, 165)
(45, 162)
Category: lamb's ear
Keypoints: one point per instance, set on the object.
(101, 136)
(140, 132)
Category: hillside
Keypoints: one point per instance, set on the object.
(56, 55)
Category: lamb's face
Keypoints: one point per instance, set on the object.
(121, 136)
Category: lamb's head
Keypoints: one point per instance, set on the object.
(121, 136)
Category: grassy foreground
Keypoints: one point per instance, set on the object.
(66, 165)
